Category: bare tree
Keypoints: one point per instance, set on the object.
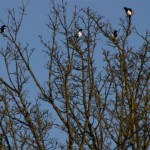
(23, 124)
(98, 107)
(127, 70)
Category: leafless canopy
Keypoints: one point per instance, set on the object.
(98, 104)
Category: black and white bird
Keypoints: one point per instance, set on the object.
(115, 35)
(3, 28)
(79, 33)
(129, 12)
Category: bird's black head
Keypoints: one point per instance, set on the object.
(125, 8)
(80, 30)
(115, 31)
(3, 26)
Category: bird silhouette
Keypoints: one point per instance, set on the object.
(129, 12)
(79, 33)
(3, 28)
(115, 35)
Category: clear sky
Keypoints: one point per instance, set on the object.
(37, 11)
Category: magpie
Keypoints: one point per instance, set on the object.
(114, 35)
(79, 33)
(3, 28)
(129, 12)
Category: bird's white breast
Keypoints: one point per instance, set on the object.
(79, 34)
(129, 12)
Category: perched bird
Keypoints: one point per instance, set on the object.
(129, 12)
(76, 36)
(79, 33)
(3, 28)
(115, 36)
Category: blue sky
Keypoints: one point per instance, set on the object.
(37, 11)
